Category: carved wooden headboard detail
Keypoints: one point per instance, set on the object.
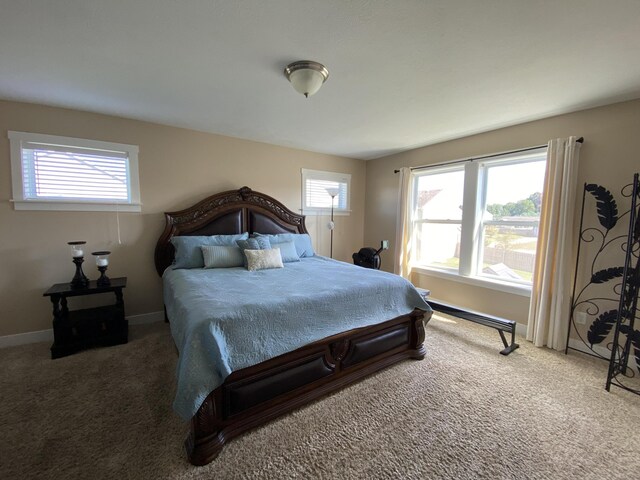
(230, 212)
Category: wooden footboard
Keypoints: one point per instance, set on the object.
(257, 394)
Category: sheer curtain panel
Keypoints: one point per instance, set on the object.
(402, 258)
(551, 285)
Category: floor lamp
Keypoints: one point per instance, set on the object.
(333, 192)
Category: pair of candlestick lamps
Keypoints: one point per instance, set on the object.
(80, 280)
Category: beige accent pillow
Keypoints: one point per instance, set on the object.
(263, 259)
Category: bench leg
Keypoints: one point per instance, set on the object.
(508, 348)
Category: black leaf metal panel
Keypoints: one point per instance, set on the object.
(607, 274)
(610, 295)
(601, 327)
(635, 339)
(606, 205)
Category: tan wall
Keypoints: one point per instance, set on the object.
(177, 168)
(608, 157)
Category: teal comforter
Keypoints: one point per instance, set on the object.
(226, 319)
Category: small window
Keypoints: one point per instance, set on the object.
(316, 196)
(61, 173)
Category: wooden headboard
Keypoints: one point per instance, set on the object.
(227, 213)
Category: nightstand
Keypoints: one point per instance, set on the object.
(74, 330)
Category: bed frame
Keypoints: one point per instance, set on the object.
(257, 394)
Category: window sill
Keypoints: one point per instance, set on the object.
(522, 290)
(317, 212)
(75, 207)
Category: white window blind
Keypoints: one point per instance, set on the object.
(51, 173)
(73, 174)
(316, 197)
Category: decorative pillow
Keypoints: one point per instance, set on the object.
(258, 243)
(188, 252)
(219, 256)
(263, 259)
(302, 242)
(288, 251)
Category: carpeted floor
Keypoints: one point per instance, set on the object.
(463, 412)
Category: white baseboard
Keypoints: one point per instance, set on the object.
(28, 337)
(47, 335)
(599, 349)
(152, 317)
(521, 329)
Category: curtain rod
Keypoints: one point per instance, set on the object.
(421, 167)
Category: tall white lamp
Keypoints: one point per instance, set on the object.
(333, 192)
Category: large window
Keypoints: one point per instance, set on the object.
(479, 219)
(316, 185)
(61, 173)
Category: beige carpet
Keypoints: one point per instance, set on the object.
(463, 412)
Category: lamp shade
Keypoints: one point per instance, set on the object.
(306, 76)
(333, 191)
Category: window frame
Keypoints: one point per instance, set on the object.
(20, 140)
(323, 175)
(472, 224)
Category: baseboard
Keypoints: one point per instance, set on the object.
(47, 335)
(25, 338)
(152, 317)
(521, 329)
(580, 346)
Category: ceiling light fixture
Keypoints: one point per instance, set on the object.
(306, 76)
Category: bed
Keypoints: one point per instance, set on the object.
(246, 373)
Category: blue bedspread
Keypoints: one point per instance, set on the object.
(226, 319)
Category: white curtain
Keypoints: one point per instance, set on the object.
(552, 277)
(403, 226)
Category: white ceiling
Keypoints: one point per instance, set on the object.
(402, 73)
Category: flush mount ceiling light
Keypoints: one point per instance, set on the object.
(306, 76)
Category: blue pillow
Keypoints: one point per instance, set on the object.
(277, 238)
(303, 245)
(188, 253)
(302, 242)
(257, 243)
(287, 251)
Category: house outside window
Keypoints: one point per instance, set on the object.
(479, 219)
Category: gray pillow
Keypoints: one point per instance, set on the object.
(257, 243)
(188, 253)
(222, 256)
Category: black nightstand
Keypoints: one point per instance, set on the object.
(74, 330)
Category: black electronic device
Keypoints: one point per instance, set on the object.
(368, 257)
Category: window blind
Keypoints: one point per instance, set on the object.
(60, 172)
(318, 197)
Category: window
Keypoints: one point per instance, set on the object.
(480, 219)
(60, 173)
(438, 218)
(315, 197)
